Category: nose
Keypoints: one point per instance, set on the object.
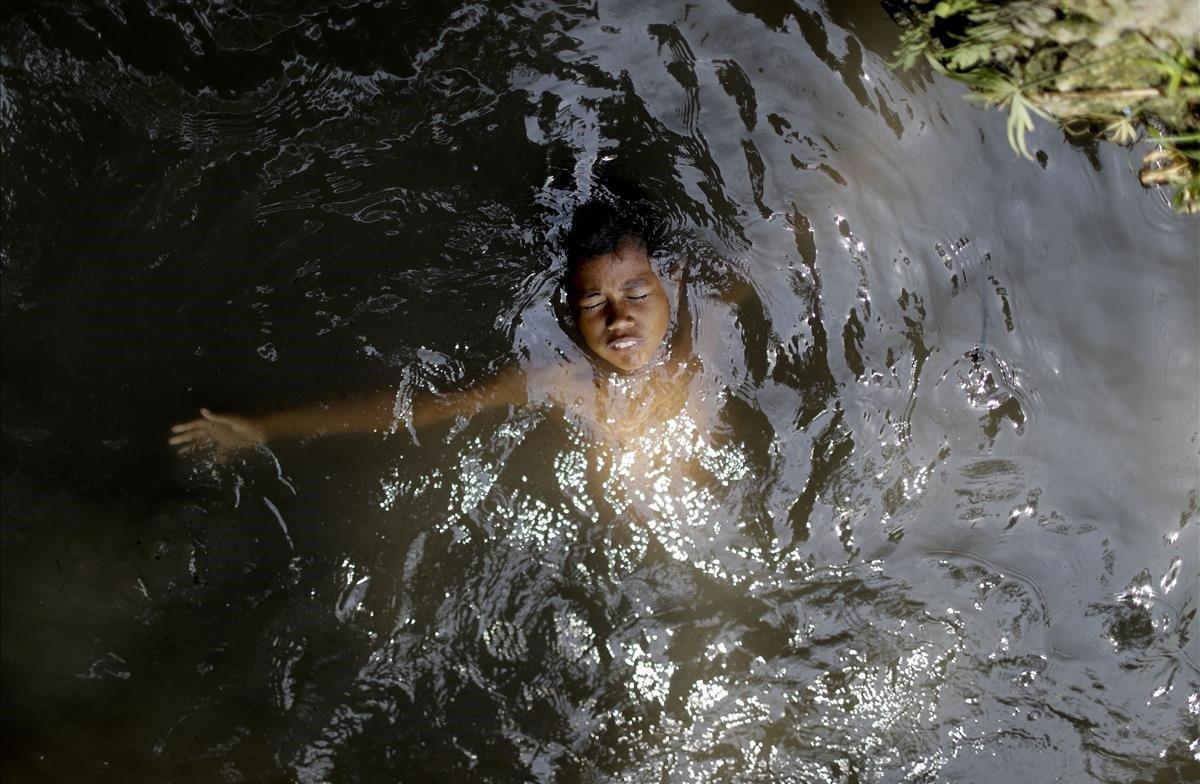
(618, 315)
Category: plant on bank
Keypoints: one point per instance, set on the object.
(1123, 69)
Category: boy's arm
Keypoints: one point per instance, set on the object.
(371, 413)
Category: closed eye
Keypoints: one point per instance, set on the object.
(602, 303)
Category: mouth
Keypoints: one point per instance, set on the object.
(624, 343)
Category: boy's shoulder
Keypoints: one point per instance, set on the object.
(557, 378)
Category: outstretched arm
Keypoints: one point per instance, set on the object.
(376, 412)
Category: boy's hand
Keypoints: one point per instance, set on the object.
(225, 433)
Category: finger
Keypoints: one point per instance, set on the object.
(186, 438)
(195, 424)
(199, 425)
(218, 418)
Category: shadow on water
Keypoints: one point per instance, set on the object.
(930, 514)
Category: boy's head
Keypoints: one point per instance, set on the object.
(617, 299)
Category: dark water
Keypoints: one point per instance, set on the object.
(944, 527)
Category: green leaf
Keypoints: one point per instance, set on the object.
(948, 8)
(1020, 122)
(964, 56)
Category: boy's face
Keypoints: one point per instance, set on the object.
(620, 307)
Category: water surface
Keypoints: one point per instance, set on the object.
(943, 526)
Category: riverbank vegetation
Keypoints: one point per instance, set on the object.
(1122, 70)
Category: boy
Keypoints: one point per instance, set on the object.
(621, 314)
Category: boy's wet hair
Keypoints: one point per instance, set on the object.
(599, 228)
